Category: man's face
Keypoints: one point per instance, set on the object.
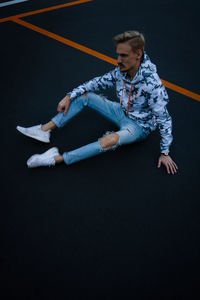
(126, 58)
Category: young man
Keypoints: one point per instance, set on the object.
(141, 107)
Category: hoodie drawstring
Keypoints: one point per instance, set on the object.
(129, 98)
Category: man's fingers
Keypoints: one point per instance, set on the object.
(66, 108)
(159, 163)
(175, 165)
(168, 171)
(172, 169)
(59, 108)
(169, 164)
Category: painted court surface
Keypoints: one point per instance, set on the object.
(113, 226)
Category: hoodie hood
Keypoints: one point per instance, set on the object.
(146, 69)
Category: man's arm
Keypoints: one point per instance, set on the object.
(96, 84)
(157, 104)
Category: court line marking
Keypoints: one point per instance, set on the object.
(181, 90)
(65, 41)
(12, 2)
(38, 11)
(106, 58)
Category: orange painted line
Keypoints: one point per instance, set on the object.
(181, 90)
(65, 41)
(42, 10)
(108, 59)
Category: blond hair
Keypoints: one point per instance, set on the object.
(135, 39)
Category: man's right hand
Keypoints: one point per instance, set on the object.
(63, 105)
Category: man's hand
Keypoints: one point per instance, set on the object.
(63, 105)
(168, 163)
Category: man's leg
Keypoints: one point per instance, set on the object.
(58, 159)
(129, 133)
(105, 107)
(98, 103)
(51, 125)
(52, 157)
(105, 143)
(108, 142)
(43, 132)
(48, 126)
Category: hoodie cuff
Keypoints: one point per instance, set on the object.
(166, 150)
(69, 94)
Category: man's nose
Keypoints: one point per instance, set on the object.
(119, 60)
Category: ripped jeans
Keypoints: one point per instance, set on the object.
(129, 131)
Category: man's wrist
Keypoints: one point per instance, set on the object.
(165, 153)
(67, 97)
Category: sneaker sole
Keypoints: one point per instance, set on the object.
(32, 136)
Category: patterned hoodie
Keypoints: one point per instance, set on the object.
(143, 99)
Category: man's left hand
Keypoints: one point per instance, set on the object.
(168, 163)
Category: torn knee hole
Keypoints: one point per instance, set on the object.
(85, 95)
(109, 141)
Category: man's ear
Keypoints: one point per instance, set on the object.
(139, 53)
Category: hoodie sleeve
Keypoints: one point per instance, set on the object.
(157, 104)
(96, 84)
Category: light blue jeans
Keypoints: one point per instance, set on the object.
(129, 131)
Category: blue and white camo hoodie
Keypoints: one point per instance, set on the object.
(147, 94)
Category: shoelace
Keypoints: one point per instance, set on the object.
(129, 98)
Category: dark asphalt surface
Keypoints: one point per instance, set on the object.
(113, 226)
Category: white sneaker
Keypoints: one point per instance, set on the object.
(43, 160)
(36, 132)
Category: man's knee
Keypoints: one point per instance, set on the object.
(85, 95)
(109, 140)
